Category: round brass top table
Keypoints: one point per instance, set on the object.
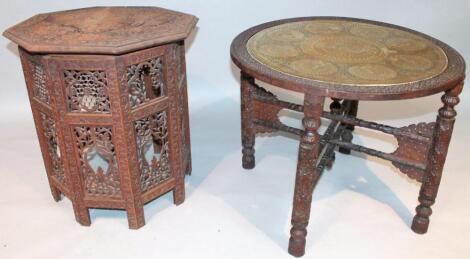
(347, 60)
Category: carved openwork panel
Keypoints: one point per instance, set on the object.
(414, 150)
(145, 81)
(50, 135)
(98, 165)
(87, 91)
(40, 90)
(153, 150)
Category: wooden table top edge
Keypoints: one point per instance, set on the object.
(101, 50)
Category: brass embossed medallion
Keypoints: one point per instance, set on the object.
(347, 52)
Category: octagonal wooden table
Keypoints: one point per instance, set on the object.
(107, 87)
(347, 60)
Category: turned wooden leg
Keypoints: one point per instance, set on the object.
(347, 135)
(248, 131)
(436, 159)
(306, 176)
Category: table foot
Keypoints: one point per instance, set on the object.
(297, 242)
(136, 218)
(423, 211)
(82, 214)
(178, 195)
(420, 225)
(248, 159)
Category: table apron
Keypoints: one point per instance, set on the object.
(331, 138)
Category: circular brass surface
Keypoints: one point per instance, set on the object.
(347, 52)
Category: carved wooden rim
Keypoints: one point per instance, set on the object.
(451, 76)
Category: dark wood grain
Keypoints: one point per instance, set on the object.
(422, 147)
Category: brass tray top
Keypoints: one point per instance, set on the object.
(347, 52)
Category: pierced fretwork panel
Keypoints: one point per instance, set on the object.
(50, 135)
(40, 91)
(153, 150)
(87, 91)
(414, 150)
(98, 164)
(145, 81)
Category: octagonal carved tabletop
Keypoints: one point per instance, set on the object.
(101, 30)
(347, 58)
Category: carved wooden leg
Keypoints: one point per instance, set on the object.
(188, 165)
(179, 191)
(347, 134)
(131, 194)
(436, 159)
(248, 131)
(129, 175)
(135, 217)
(306, 176)
(82, 215)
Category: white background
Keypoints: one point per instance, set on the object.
(361, 208)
